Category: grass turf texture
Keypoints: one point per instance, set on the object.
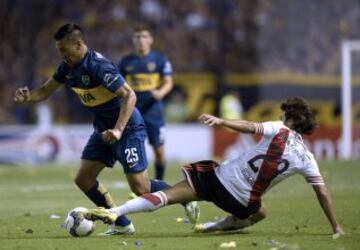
(30, 195)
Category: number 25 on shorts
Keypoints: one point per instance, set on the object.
(131, 156)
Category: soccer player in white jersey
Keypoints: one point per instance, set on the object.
(237, 185)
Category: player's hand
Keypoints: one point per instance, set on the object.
(338, 231)
(22, 95)
(111, 135)
(157, 94)
(210, 120)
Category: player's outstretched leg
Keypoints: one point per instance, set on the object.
(230, 223)
(139, 184)
(180, 193)
(97, 193)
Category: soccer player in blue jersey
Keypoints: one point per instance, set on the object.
(149, 73)
(119, 129)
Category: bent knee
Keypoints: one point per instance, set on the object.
(263, 212)
(258, 216)
(262, 215)
(84, 183)
(78, 180)
(140, 189)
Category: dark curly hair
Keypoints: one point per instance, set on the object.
(67, 30)
(301, 114)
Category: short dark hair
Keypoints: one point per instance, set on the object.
(67, 30)
(301, 114)
(142, 27)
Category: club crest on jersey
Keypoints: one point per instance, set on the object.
(85, 79)
(129, 68)
(151, 66)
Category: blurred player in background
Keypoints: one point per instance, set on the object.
(149, 73)
(230, 105)
(237, 185)
(119, 127)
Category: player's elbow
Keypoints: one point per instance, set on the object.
(130, 97)
(133, 97)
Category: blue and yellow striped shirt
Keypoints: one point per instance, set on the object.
(95, 80)
(145, 73)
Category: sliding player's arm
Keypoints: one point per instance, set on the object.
(128, 97)
(26, 96)
(237, 125)
(165, 88)
(324, 199)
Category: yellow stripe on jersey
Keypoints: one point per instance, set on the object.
(95, 96)
(144, 81)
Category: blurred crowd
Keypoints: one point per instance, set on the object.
(244, 36)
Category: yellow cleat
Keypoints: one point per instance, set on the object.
(100, 214)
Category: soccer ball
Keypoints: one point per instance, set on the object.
(77, 225)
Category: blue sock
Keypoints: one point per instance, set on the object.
(157, 185)
(122, 221)
(159, 171)
(101, 198)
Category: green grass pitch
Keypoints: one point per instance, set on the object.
(29, 196)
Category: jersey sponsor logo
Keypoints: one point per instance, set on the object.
(85, 79)
(95, 96)
(151, 66)
(68, 77)
(249, 176)
(110, 79)
(143, 81)
(87, 97)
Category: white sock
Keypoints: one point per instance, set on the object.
(144, 203)
(227, 223)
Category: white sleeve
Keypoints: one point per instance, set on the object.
(268, 129)
(311, 172)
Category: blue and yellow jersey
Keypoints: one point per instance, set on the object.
(95, 80)
(145, 73)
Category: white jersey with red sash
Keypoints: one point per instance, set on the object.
(279, 154)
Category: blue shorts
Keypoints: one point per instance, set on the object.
(155, 124)
(129, 151)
